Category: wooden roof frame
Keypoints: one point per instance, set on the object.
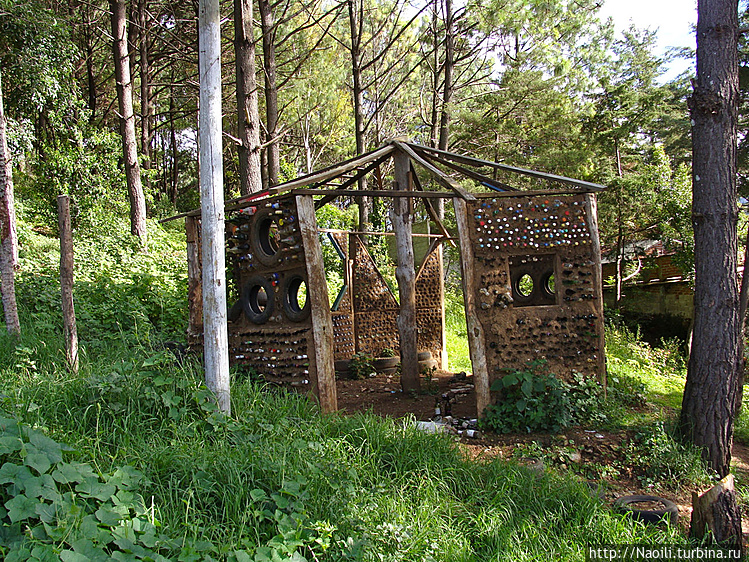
(349, 171)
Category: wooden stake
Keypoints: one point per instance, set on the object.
(194, 281)
(406, 276)
(591, 209)
(476, 341)
(70, 330)
(215, 338)
(323, 375)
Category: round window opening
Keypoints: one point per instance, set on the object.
(297, 295)
(267, 233)
(525, 285)
(258, 299)
(550, 286)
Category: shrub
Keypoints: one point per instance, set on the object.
(531, 400)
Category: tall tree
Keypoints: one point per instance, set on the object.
(268, 27)
(248, 118)
(713, 376)
(127, 119)
(8, 238)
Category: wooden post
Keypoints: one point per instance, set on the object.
(194, 281)
(323, 377)
(66, 283)
(215, 337)
(591, 209)
(444, 358)
(406, 275)
(476, 341)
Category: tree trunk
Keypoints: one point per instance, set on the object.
(709, 402)
(146, 88)
(8, 237)
(715, 515)
(215, 336)
(174, 168)
(268, 27)
(127, 120)
(248, 119)
(447, 85)
(355, 24)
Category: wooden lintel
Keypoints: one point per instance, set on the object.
(323, 377)
(374, 193)
(476, 340)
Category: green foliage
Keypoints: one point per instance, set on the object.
(122, 292)
(54, 509)
(360, 366)
(660, 459)
(531, 400)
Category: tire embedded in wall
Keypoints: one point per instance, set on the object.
(257, 309)
(290, 298)
(264, 246)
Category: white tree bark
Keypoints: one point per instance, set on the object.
(215, 338)
(8, 237)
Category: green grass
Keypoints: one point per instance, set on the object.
(354, 487)
(275, 479)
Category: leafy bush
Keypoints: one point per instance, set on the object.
(360, 366)
(531, 400)
(53, 509)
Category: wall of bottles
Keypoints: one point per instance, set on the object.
(269, 321)
(536, 295)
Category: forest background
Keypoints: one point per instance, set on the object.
(543, 85)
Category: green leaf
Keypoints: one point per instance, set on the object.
(258, 494)
(44, 444)
(9, 427)
(16, 474)
(521, 405)
(92, 488)
(510, 380)
(107, 516)
(38, 461)
(43, 487)
(45, 553)
(69, 473)
(9, 444)
(527, 388)
(21, 507)
(126, 478)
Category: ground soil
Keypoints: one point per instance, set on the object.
(595, 449)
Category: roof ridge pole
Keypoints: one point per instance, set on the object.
(215, 338)
(405, 273)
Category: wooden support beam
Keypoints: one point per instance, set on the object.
(585, 185)
(405, 273)
(351, 181)
(374, 193)
(469, 173)
(430, 209)
(322, 345)
(215, 335)
(70, 329)
(438, 174)
(476, 340)
(591, 209)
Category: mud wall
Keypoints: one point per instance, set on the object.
(537, 287)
